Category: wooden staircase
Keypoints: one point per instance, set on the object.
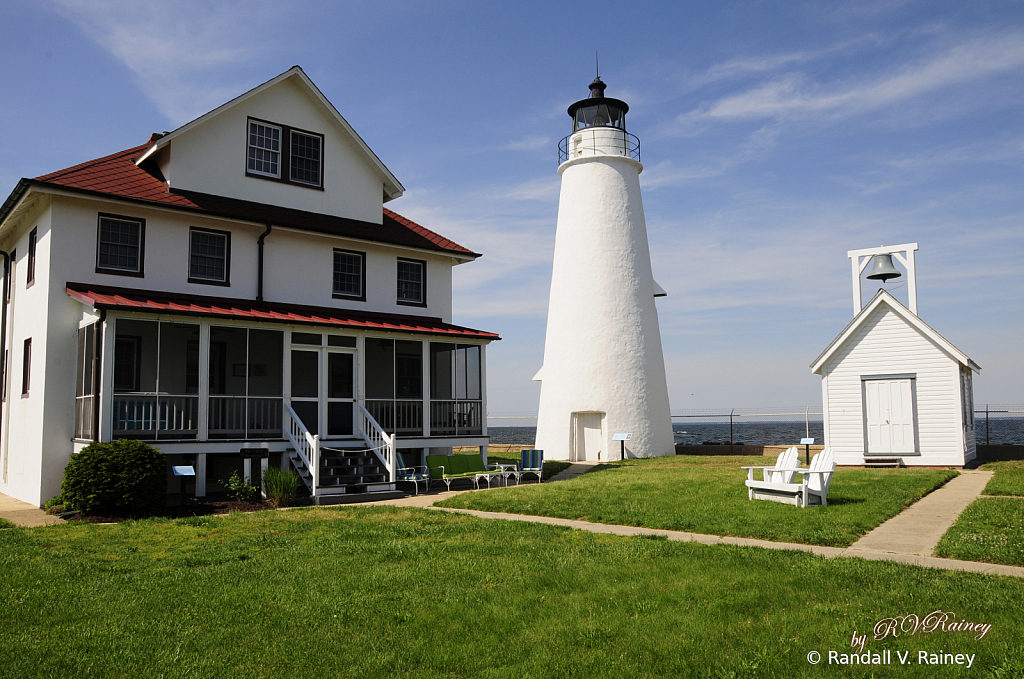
(348, 473)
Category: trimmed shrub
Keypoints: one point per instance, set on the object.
(281, 486)
(239, 489)
(125, 477)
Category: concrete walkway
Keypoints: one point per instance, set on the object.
(918, 529)
(573, 470)
(680, 536)
(24, 514)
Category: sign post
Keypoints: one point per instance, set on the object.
(807, 443)
(183, 471)
(622, 438)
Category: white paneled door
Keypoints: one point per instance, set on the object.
(589, 436)
(890, 416)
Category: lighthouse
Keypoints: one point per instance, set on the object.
(603, 371)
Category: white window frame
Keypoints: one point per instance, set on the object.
(249, 146)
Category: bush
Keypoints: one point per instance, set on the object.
(57, 505)
(122, 478)
(240, 489)
(281, 486)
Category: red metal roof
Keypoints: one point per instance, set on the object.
(118, 176)
(103, 297)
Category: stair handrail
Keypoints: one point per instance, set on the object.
(382, 443)
(307, 446)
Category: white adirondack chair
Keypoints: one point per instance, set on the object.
(785, 468)
(812, 490)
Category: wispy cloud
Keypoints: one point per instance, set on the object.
(186, 55)
(795, 95)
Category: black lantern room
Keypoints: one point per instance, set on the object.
(598, 110)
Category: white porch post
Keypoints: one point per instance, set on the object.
(201, 475)
(106, 399)
(426, 389)
(204, 384)
(483, 399)
(264, 464)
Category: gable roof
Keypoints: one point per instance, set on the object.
(392, 187)
(119, 176)
(878, 300)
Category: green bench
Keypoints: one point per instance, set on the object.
(448, 468)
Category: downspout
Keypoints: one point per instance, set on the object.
(259, 266)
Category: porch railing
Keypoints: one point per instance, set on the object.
(400, 417)
(456, 418)
(307, 446)
(380, 441)
(251, 417)
(155, 416)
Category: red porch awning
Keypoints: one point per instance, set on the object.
(102, 297)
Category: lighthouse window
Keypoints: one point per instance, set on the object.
(601, 115)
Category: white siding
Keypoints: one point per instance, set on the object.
(885, 344)
(21, 472)
(211, 158)
(298, 267)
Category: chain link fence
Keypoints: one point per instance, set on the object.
(747, 426)
(995, 424)
(999, 424)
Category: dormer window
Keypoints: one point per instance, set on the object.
(264, 149)
(285, 154)
(305, 150)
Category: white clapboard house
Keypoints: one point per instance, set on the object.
(234, 283)
(894, 391)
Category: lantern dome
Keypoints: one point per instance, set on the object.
(598, 110)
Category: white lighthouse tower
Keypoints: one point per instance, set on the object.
(604, 372)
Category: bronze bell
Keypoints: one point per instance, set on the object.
(882, 269)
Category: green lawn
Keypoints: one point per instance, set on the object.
(385, 592)
(991, 530)
(4, 523)
(707, 495)
(1009, 478)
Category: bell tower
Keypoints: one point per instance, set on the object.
(604, 371)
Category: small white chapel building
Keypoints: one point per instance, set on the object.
(236, 283)
(894, 391)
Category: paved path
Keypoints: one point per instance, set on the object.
(24, 514)
(573, 470)
(918, 529)
(926, 561)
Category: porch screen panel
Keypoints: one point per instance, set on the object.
(87, 381)
(456, 408)
(409, 387)
(380, 381)
(380, 368)
(266, 384)
(134, 408)
(246, 378)
(178, 381)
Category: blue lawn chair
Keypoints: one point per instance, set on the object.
(532, 463)
(416, 474)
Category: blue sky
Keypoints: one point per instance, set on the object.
(775, 138)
